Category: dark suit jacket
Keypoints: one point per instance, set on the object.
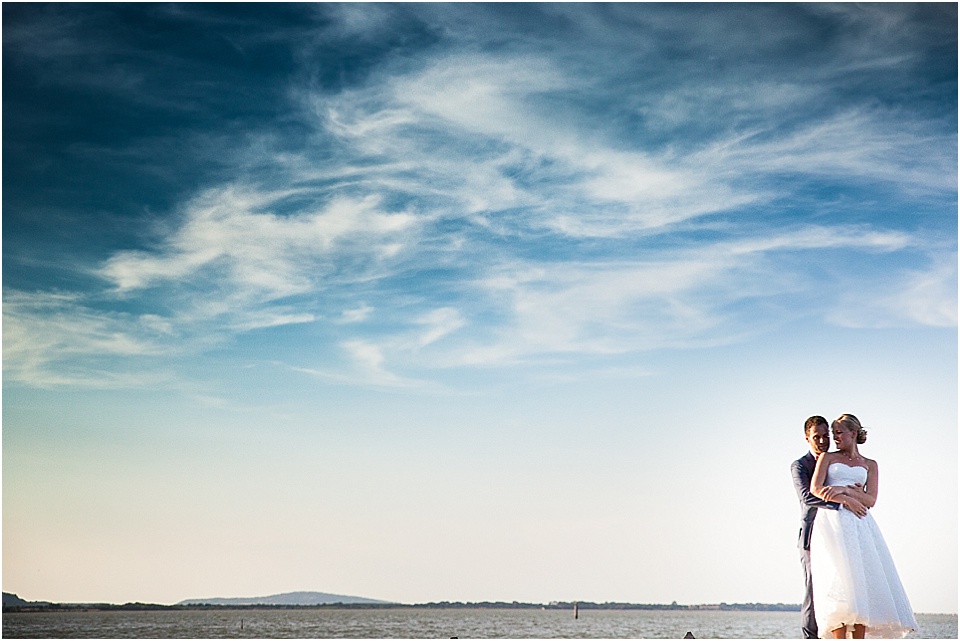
(802, 471)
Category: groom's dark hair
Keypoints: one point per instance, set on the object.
(812, 422)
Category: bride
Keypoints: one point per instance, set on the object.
(855, 582)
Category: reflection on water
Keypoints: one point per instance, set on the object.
(417, 623)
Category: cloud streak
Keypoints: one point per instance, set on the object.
(57, 339)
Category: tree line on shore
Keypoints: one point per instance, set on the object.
(19, 605)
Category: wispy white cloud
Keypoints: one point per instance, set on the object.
(822, 237)
(53, 339)
(439, 323)
(235, 264)
(487, 132)
(929, 297)
(231, 266)
(487, 129)
(858, 144)
(564, 311)
(356, 314)
(370, 367)
(259, 254)
(925, 297)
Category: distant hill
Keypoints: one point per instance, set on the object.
(12, 600)
(287, 598)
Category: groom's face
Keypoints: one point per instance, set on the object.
(818, 437)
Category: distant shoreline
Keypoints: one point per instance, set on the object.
(502, 605)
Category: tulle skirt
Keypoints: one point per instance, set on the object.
(854, 578)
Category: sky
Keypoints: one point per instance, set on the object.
(466, 302)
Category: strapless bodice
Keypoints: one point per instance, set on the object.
(843, 474)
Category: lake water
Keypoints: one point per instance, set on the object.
(423, 623)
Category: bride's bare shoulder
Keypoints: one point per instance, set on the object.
(826, 459)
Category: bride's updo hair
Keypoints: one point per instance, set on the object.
(851, 422)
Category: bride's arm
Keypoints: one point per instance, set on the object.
(817, 483)
(868, 493)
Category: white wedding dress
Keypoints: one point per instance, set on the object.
(854, 578)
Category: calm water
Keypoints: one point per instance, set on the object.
(424, 624)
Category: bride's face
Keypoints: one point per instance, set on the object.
(843, 436)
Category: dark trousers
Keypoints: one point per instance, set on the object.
(808, 618)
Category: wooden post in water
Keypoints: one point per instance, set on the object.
(576, 609)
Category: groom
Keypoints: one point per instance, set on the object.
(817, 432)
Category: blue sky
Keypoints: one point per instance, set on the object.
(470, 302)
